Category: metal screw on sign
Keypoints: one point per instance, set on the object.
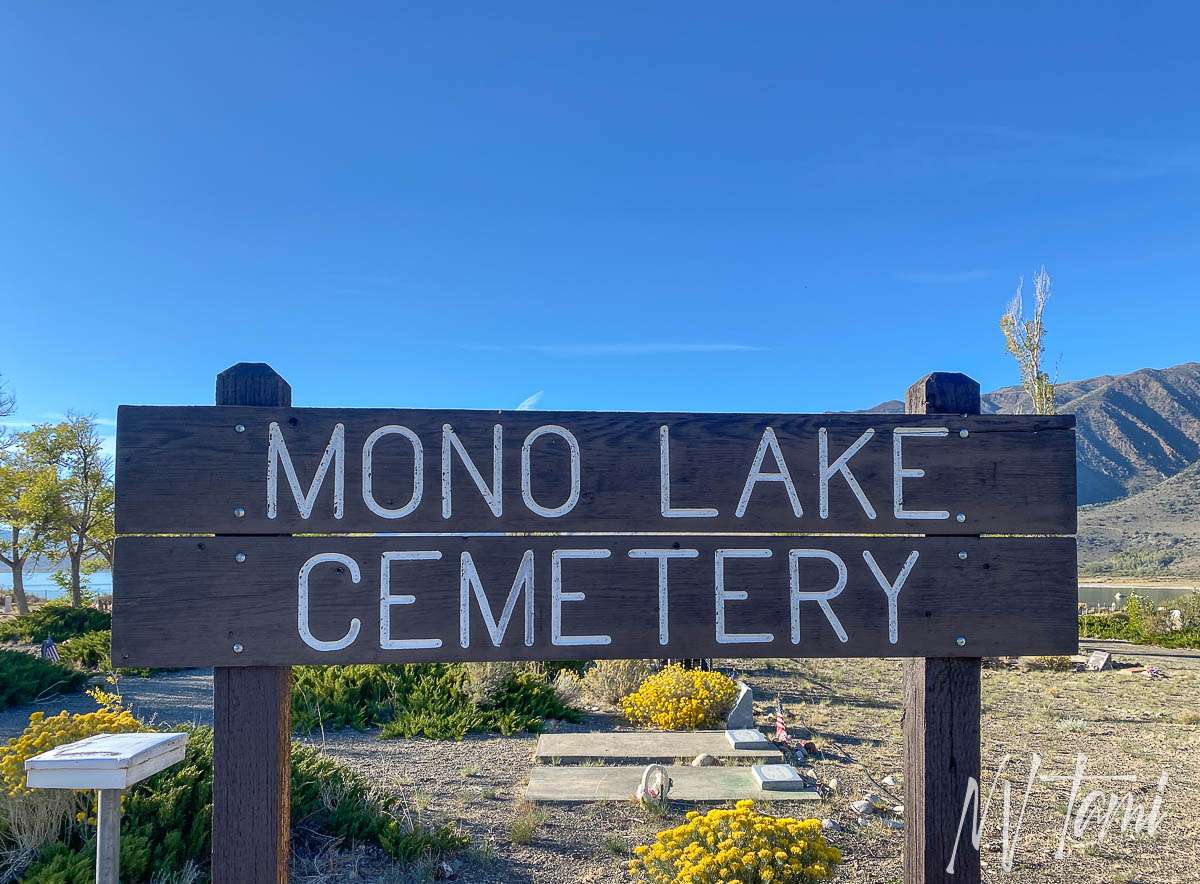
(961, 517)
(964, 433)
(237, 648)
(240, 428)
(962, 553)
(240, 557)
(241, 511)
(961, 642)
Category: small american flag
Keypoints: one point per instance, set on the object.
(50, 650)
(781, 734)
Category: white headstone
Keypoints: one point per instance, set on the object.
(747, 738)
(1099, 660)
(7, 606)
(742, 714)
(778, 778)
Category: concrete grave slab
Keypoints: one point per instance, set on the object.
(660, 746)
(578, 784)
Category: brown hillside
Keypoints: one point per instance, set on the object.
(1134, 430)
(1154, 533)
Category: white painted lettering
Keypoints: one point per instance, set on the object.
(494, 496)
(823, 597)
(469, 581)
(892, 590)
(387, 600)
(305, 632)
(368, 457)
(557, 597)
(335, 453)
(900, 473)
(526, 471)
(664, 484)
(735, 595)
(756, 475)
(841, 465)
(663, 555)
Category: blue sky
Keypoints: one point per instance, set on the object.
(594, 206)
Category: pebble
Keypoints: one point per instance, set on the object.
(862, 806)
(833, 784)
(889, 781)
(704, 760)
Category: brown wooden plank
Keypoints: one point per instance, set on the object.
(252, 720)
(189, 601)
(252, 716)
(942, 714)
(189, 470)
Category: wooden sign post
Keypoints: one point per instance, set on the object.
(940, 535)
(252, 718)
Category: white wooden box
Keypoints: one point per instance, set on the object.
(105, 761)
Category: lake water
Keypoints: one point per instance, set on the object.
(1093, 595)
(42, 584)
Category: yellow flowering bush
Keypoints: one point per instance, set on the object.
(679, 699)
(43, 734)
(737, 846)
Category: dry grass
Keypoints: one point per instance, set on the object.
(1125, 722)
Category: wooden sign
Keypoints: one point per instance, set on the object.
(605, 535)
(244, 470)
(282, 600)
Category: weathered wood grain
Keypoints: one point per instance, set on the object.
(189, 470)
(252, 719)
(942, 714)
(182, 601)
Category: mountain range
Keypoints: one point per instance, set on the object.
(1138, 447)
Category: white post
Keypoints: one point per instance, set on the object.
(108, 836)
(109, 764)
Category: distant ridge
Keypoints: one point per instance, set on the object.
(1134, 430)
(1153, 533)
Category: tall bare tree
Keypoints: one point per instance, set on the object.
(72, 450)
(1026, 337)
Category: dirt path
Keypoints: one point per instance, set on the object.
(183, 697)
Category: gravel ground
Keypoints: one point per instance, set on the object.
(1127, 723)
(181, 697)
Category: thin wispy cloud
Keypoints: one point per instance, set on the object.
(531, 401)
(618, 349)
(936, 277)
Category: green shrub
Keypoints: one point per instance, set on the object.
(24, 678)
(167, 820)
(431, 700)
(93, 651)
(1109, 626)
(56, 620)
(338, 697)
(1132, 625)
(1137, 562)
